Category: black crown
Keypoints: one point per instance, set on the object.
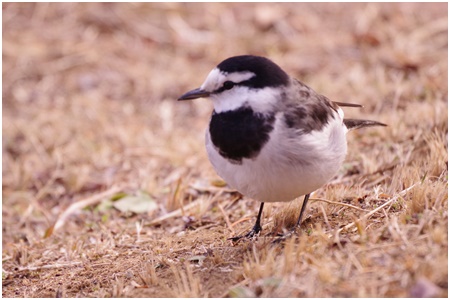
(268, 74)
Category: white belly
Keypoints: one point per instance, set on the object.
(287, 167)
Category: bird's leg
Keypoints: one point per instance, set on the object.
(299, 221)
(256, 228)
(305, 201)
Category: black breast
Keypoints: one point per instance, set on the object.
(240, 133)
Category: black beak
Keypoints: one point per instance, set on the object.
(194, 94)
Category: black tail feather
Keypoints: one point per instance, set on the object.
(347, 104)
(355, 123)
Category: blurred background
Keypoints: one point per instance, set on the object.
(89, 91)
(88, 87)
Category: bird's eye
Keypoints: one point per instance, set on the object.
(228, 85)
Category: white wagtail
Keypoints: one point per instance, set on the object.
(271, 137)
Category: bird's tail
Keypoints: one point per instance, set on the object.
(356, 124)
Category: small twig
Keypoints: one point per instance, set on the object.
(227, 220)
(205, 227)
(325, 217)
(242, 283)
(139, 226)
(55, 266)
(176, 193)
(211, 189)
(241, 220)
(362, 176)
(378, 208)
(344, 179)
(35, 201)
(182, 210)
(338, 203)
(356, 262)
(177, 212)
(80, 205)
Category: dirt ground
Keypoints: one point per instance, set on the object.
(107, 190)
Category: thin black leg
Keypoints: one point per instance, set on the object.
(299, 222)
(305, 201)
(256, 228)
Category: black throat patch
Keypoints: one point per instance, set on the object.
(240, 133)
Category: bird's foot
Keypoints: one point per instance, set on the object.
(283, 237)
(252, 233)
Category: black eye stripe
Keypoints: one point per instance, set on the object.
(227, 85)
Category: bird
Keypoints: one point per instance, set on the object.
(270, 136)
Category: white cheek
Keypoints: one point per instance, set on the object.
(229, 100)
(260, 100)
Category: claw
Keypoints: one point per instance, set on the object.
(285, 236)
(293, 230)
(255, 231)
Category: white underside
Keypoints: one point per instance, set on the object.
(288, 166)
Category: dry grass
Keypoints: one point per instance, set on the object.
(89, 105)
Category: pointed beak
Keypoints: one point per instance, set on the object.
(194, 94)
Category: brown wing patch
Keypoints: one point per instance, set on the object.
(311, 113)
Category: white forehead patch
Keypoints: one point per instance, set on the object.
(216, 78)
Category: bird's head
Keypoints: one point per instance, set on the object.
(244, 80)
